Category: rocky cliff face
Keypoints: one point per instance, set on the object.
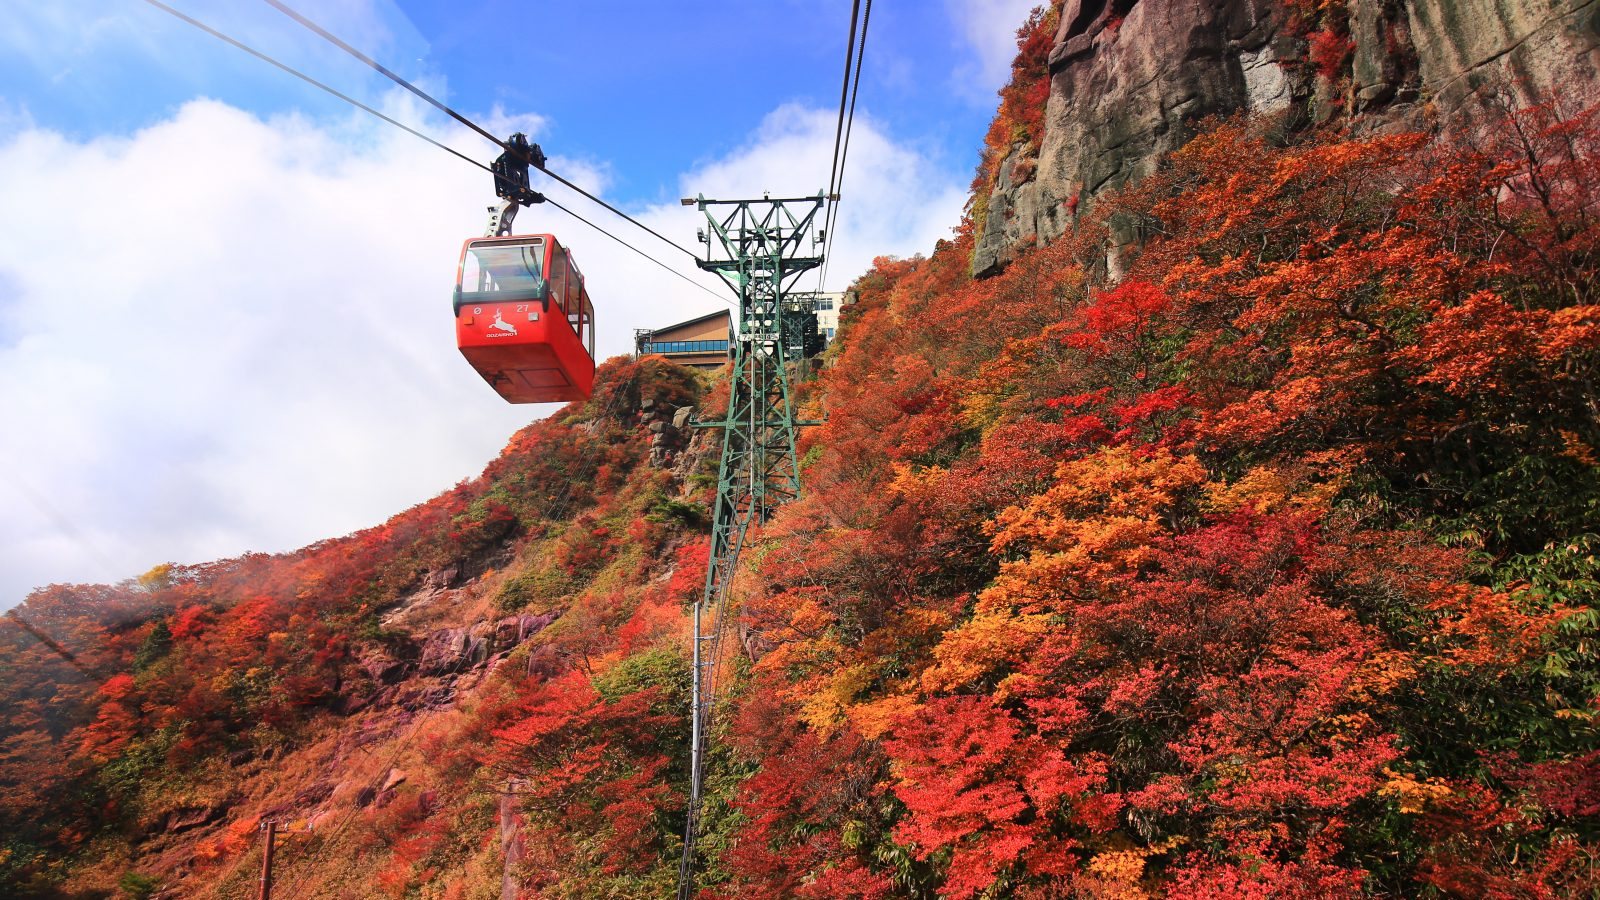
(1130, 77)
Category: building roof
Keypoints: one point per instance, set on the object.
(722, 313)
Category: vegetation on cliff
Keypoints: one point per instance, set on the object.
(1266, 570)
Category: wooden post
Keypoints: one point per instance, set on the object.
(270, 829)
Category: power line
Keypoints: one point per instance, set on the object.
(334, 39)
(844, 154)
(311, 81)
(51, 644)
(221, 36)
(850, 121)
(637, 250)
(844, 91)
(838, 130)
(849, 90)
(670, 242)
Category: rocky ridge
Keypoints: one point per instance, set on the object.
(1130, 78)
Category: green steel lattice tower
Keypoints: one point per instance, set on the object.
(758, 247)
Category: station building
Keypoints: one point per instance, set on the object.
(702, 343)
(827, 307)
(698, 343)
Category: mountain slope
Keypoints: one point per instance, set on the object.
(1265, 569)
(351, 688)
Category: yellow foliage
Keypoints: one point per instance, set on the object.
(1037, 584)
(824, 709)
(1265, 487)
(1122, 869)
(984, 402)
(154, 580)
(1096, 550)
(981, 410)
(820, 654)
(1306, 485)
(1100, 519)
(1380, 674)
(810, 618)
(988, 642)
(911, 482)
(1349, 729)
(1116, 484)
(873, 720)
(926, 620)
(1118, 872)
(1413, 795)
(312, 585)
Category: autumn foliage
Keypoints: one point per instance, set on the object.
(1265, 570)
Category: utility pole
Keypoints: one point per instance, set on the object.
(269, 828)
(758, 247)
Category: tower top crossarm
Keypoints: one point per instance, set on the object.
(770, 238)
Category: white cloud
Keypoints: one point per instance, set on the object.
(223, 334)
(990, 29)
(78, 37)
(893, 199)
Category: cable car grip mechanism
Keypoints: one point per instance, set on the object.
(511, 183)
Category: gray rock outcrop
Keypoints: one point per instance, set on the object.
(1131, 78)
(452, 650)
(666, 424)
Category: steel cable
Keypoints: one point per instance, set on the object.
(832, 217)
(221, 36)
(334, 39)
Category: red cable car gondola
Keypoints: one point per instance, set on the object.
(523, 318)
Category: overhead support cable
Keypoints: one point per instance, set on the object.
(225, 38)
(536, 163)
(839, 130)
(669, 241)
(638, 251)
(844, 152)
(311, 81)
(333, 39)
(844, 92)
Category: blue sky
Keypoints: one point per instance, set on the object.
(644, 89)
(224, 296)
